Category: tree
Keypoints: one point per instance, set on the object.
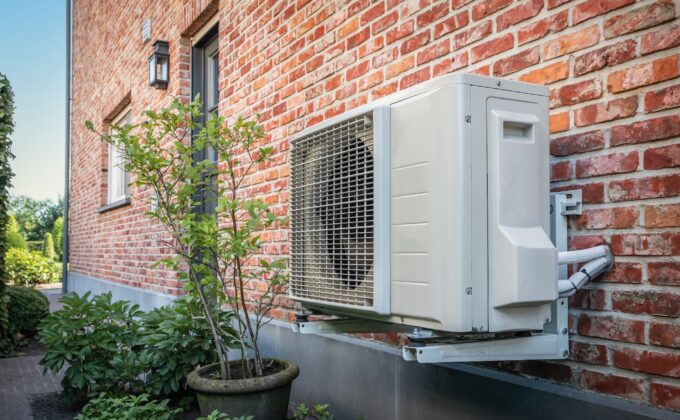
(57, 234)
(217, 254)
(14, 237)
(35, 217)
(48, 246)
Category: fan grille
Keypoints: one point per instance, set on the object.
(332, 214)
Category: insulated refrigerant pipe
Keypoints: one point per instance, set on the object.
(599, 260)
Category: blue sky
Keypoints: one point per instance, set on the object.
(33, 57)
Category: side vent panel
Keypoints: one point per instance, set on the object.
(333, 214)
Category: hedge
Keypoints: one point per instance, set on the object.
(6, 128)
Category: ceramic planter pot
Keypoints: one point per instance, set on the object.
(265, 397)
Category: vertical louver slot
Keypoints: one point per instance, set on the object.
(332, 214)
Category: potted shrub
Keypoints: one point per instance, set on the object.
(195, 177)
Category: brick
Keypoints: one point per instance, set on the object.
(358, 70)
(592, 193)
(609, 383)
(348, 28)
(450, 64)
(594, 299)
(373, 13)
(373, 45)
(662, 39)
(666, 395)
(646, 244)
(559, 122)
(414, 78)
(640, 18)
(546, 370)
(668, 97)
(548, 74)
(643, 74)
(606, 111)
(434, 51)
(371, 80)
(399, 67)
(571, 42)
(664, 334)
(600, 58)
(524, 11)
(553, 24)
(575, 93)
(482, 71)
(561, 171)
(659, 363)
(623, 272)
(645, 188)
(555, 3)
(385, 57)
(577, 143)
(612, 328)
(492, 47)
(664, 273)
(516, 62)
(451, 24)
(662, 215)
(415, 42)
(432, 15)
(488, 7)
(403, 30)
(609, 218)
(594, 354)
(660, 128)
(385, 90)
(473, 34)
(585, 241)
(384, 22)
(358, 38)
(356, 7)
(591, 8)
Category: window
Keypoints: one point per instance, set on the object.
(118, 178)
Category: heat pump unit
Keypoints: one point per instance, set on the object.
(428, 208)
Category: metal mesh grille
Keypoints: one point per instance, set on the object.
(332, 214)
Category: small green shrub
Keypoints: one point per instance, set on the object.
(14, 237)
(107, 407)
(318, 412)
(48, 247)
(27, 307)
(216, 415)
(58, 234)
(86, 335)
(25, 268)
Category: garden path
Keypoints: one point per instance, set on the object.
(22, 378)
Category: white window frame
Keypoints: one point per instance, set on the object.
(116, 172)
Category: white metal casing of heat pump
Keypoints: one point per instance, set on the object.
(462, 199)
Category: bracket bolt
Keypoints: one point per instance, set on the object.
(565, 352)
(564, 331)
(468, 290)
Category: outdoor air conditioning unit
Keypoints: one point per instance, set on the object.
(429, 208)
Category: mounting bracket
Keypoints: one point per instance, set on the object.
(551, 343)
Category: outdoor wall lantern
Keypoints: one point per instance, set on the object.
(159, 63)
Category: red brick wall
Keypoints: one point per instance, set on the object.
(613, 69)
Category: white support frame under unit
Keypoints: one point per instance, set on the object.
(550, 344)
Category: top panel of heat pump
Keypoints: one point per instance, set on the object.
(429, 208)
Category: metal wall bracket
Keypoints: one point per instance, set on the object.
(572, 204)
(552, 343)
(347, 326)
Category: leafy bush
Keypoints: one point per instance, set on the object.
(216, 415)
(86, 335)
(6, 128)
(30, 268)
(48, 246)
(107, 407)
(14, 237)
(114, 347)
(176, 339)
(27, 307)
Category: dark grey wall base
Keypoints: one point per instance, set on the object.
(367, 380)
(146, 299)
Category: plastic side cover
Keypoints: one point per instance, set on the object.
(522, 259)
